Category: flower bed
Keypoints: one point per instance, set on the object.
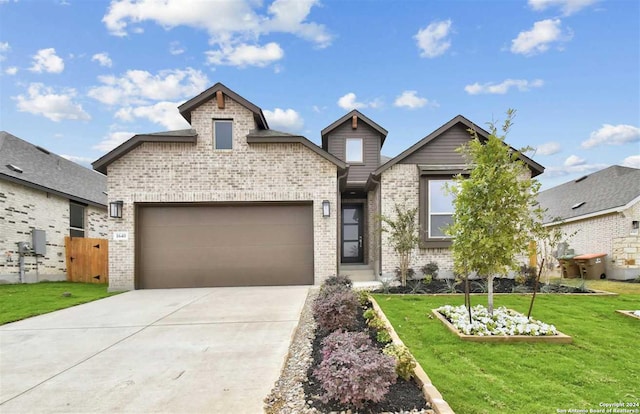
(632, 313)
(505, 324)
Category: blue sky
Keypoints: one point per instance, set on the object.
(80, 77)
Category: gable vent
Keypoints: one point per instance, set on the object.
(581, 178)
(14, 168)
(577, 205)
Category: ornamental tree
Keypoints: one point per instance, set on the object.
(495, 209)
(403, 236)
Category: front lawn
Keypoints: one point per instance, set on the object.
(26, 300)
(602, 365)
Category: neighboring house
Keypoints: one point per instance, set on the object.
(602, 211)
(231, 202)
(43, 191)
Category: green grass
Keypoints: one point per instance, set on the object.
(26, 300)
(606, 285)
(601, 365)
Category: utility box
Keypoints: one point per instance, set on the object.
(39, 242)
(591, 265)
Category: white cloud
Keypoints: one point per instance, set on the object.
(613, 135)
(349, 102)
(42, 100)
(538, 39)
(411, 100)
(286, 120)
(573, 165)
(163, 113)
(4, 47)
(574, 161)
(103, 59)
(142, 87)
(433, 40)
(77, 159)
(523, 85)
(568, 7)
(46, 60)
(246, 55)
(632, 161)
(548, 148)
(227, 22)
(12, 70)
(113, 140)
(175, 48)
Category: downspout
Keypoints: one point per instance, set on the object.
(379, 236)
(338, 208)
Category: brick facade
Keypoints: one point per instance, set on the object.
(173, 172)
(23, 209)
(611, 234)
(401, 184)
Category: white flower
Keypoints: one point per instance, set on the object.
(503, 322)
(637, 313)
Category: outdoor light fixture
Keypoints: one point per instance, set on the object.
(326, 208)
(635, 224)
(115, 209)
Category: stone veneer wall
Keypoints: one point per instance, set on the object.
(161, 172)
(23, 209)
(611, 234)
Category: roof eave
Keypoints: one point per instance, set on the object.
(188, 106)
(612, 210)
(51, 191)
(383, 132)
(103, 162)
(298, 139)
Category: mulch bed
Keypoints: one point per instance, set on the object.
(500, 285)
(403, 395)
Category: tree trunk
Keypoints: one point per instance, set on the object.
(467, 297)
(490, 295)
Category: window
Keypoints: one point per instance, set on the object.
(354, 150)
(440, 210)
(436, 206)
(222, 135)
(76, 220)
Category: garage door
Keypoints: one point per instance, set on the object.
(222, 245)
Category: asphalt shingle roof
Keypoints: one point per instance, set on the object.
(606, 189)
(50, 172)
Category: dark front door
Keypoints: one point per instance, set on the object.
(352, 223)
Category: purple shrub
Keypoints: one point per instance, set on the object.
(336, 307)
(353, 371)
(344, 340)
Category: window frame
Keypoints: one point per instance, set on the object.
(423, 212)
(346, 150)
(77, 230)
(213, 134)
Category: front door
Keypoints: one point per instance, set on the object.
(352, 223)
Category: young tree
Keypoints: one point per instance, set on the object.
(403, 234)
(496, 212)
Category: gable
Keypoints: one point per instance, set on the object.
(452, 126)
(442, 149)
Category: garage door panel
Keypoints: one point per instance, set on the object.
(190, 246)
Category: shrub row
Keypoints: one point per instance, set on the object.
(353, 370)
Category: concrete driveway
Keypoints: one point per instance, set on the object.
(209, 350)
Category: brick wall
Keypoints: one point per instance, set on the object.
(160, 172)
(611, 234)
(23, 209)
(400, 184)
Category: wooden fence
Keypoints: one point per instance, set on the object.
(87, 260)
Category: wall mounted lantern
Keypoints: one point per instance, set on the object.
(326, 208)
(115, 209)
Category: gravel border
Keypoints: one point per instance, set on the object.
(287, 396)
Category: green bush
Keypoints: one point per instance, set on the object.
(405, 364)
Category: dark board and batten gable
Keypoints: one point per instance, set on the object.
(334, 139)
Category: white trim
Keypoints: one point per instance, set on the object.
(346, 150)
(619, 209)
